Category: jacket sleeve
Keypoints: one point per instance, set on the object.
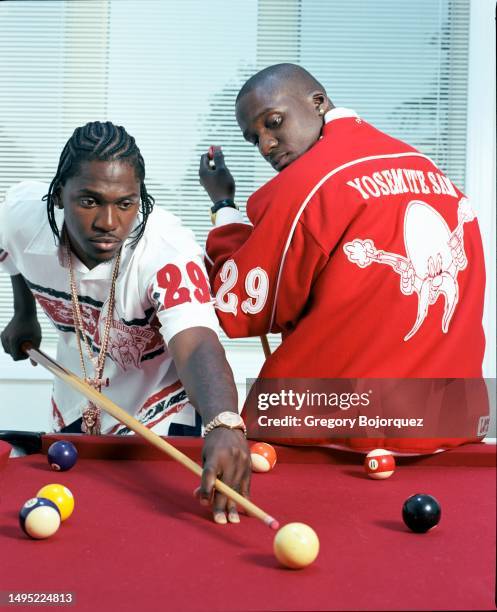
(262, 275)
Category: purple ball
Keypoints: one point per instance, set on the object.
(62, 455)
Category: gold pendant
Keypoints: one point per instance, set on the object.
(91, 420)
(97, 383)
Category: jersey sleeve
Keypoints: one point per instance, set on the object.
(262, 275)
(177, 285)
(7, 264)
(180, 291)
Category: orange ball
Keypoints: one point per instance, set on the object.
(262, 456)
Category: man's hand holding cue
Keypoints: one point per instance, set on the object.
(134, 425)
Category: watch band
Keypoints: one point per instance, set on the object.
(217, 421)
(226, 203)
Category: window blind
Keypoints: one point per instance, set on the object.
(170, 71)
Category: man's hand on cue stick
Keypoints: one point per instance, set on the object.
(118, 413)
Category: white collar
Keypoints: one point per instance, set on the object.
(43, 242)
(339, 113)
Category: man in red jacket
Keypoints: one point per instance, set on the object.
(360, 252)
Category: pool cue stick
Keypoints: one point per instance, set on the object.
(118, 413)
(265, 346)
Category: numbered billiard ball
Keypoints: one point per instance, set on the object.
(262, 457)
(61, 497)
(379, 464)
(39, 518)
(62, 455)
(421, 512)
(296, 545)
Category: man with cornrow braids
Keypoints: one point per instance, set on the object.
(125, 287)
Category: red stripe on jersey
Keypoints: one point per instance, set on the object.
(57, 416)
(163, 415)
(167, 413)
(160, 395)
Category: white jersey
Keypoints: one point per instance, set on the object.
(161, 290)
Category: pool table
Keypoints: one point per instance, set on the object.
(139, 540)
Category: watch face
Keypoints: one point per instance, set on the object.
(230, 418)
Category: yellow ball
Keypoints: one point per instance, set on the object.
(296, 545)
(61, 497)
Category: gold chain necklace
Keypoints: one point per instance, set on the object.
(91, 417)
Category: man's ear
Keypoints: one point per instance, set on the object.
(57, 199)
(321, 102)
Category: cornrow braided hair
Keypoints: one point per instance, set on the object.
(97, 141)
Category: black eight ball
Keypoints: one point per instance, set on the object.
(421, 512)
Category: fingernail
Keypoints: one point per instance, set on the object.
(220, 518)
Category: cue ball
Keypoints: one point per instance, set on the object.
(262, 457)
(421, 512)
(296, 545)
(39, 518)
(61, 496)
(379, 464)
(62, 455)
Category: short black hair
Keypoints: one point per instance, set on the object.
(278, 73)
(99, 141)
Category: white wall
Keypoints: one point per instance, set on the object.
(24, 395)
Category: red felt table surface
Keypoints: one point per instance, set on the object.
(139, 540)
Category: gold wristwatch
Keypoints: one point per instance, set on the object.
(230, 420)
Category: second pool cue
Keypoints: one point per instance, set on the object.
(265, 346)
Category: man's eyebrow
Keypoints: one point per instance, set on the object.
(268, 109)
(128, 196)
(97, 194)
(87, 191)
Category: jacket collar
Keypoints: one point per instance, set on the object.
(339, 113)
